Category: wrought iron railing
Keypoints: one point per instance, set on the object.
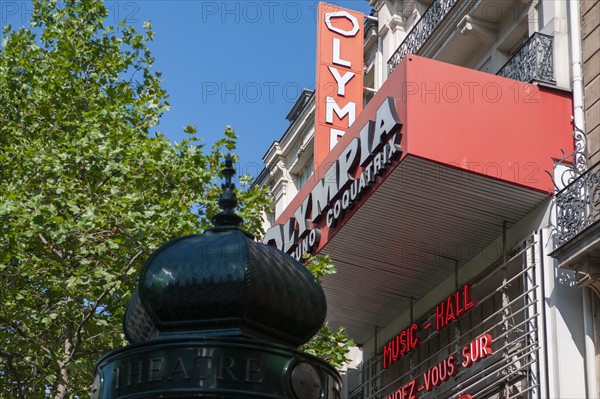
(510, 311)
(533, 61)
(578, 204)
(421, 31)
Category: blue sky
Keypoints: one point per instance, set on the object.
(238, 63)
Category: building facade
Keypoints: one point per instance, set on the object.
(461, 206)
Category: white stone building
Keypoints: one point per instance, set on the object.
(461, 272)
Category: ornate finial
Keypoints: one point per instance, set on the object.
(228, 200)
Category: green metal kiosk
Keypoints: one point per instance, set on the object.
(220, 315)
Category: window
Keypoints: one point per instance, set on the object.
(539, 13)
(305, 173)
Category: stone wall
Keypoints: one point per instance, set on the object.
(590, 34)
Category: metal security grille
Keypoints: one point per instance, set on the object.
(508, 308)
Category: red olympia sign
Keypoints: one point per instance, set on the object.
(339, 86)
(347, 179)
(341, 185)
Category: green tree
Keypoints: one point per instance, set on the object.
(87, 191)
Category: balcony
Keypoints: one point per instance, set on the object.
(532, 61)
(578, 205)
(422, 31)
(577, 227)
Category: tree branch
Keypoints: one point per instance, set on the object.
(103, 182)
(97, 302)
(63, 370)
(56, 251)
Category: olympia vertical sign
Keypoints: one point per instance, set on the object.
(339, 85)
